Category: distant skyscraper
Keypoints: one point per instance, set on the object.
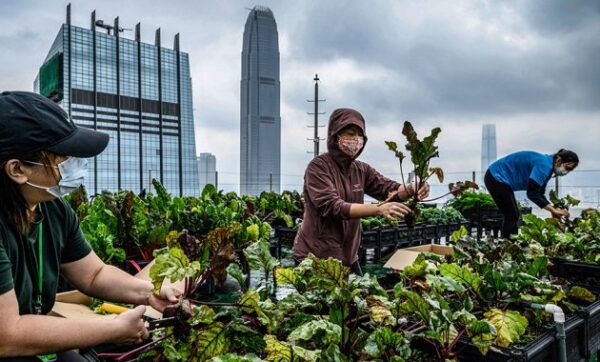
(488, 146)
(260, 120)
(207, 169)
(138, 93)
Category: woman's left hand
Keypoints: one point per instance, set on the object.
(168, 296)
(410, 190)
(423, 192)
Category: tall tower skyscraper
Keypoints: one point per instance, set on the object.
(260, 119)
(207, 169)
(488, 146)
(138, 93)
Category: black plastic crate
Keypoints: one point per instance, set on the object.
(587, 275)
(430, 233)
(543, 349)
(416, 235)
(591, 316)
(388, 237)
(285, 235)
(575, 270)
(369, 239)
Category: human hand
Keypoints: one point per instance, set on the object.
(130, 327)
(393, 210)
(560, 213)
(422, 193)
(168, 296)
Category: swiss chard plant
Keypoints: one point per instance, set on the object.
(422, 152)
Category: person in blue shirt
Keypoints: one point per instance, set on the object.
(526, 171)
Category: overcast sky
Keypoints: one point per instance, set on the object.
(530, 67)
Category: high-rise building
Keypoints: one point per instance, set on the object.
(260, 120)
(488, 146)
(207, 169)
(138, 93)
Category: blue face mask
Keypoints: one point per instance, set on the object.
(73, 171)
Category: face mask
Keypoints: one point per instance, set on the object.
(560, 170)
(351, 145)
(73, 171)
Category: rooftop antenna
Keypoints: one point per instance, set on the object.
(316, 113)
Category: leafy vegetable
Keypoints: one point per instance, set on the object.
(510, 325)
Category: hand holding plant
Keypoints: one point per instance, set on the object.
(421, 154)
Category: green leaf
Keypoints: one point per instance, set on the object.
(294, 301)
(483, 334)
(418, 269)
(211, 342)
(174, 265)
(253, 232)
(327, 332)
(286, 276)
(249, 302)
(379, 311)
(413, 303)
(333, 354)
(174, 351)
(202, 314)
(510, 326)
(232, 357)
(329, 273)
(284, 352)
(444, 284)
(581, 293)
(459, 234)
(381, 340)
(462, 275)
(259, 256)
(236, 272)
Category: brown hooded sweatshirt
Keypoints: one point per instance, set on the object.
(332, 182)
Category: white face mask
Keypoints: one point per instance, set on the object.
(560, 170)
(73, 171)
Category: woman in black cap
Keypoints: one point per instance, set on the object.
(43, 157)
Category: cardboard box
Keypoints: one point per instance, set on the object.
(405, 257)
(75, 304)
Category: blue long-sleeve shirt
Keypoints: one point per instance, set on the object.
(525, 171)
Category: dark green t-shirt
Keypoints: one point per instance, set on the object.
(63, 242)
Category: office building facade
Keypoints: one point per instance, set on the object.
(260, 119)
(207, 169)
(138, 93)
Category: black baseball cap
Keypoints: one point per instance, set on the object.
(30, 122)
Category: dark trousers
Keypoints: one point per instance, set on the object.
(504, 197)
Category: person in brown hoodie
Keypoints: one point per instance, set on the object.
(334, 187)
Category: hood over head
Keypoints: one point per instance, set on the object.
(340, 119)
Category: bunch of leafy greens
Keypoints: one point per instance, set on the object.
(421, 154)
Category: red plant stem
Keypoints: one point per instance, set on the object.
(437, 198)
(119, 357)
(217, 304)
(456, 340)
(402, 175)
(437, 351)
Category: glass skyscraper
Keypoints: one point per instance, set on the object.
(207, 169)
(138, 93)
(260, 119)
